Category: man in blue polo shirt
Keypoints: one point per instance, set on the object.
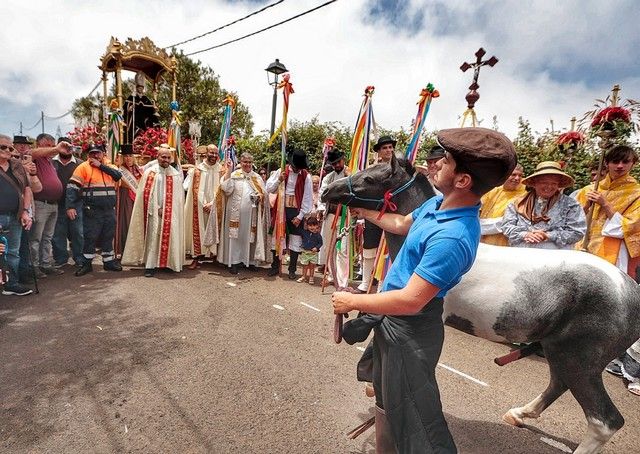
(441, 244)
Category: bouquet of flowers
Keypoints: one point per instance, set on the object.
(146, 142)
(613, 121)
(86, 136)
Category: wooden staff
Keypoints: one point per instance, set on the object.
(330, 252)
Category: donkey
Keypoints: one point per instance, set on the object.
(581, 309)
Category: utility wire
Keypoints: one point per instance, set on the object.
(69, 111)
(226, 25)
(263, 29)
(37, 123)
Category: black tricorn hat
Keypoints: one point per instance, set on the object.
(126, 149)
(21, 139)
(436, 152)
(298, 159)
(384, 140)
(334, 156)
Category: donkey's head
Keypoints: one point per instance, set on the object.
(367, 189)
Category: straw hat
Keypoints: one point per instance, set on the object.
(550, 168)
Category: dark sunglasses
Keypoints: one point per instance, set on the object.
(7, 147)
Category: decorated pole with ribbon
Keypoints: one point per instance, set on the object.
(382, 261)
(280, 226)
(114, 125)
(225, 128)
(173, 134)
(328, 145)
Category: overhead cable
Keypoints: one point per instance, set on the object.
(226, 25)
(263, 29)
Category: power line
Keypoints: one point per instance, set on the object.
(32, 127)
(69, 111)
(263, 29)
(226, 25)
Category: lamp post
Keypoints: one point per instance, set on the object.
(276, 68)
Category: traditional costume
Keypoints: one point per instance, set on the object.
(201, 227)
(494, 204)
(560, 216)
(245, 219)
(126, 197)
(340, 256)
(298, 203)
(156, 232)
(617, 240)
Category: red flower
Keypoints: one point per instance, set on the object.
(611, 114)
(570, 138)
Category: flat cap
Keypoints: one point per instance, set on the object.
(488, 155)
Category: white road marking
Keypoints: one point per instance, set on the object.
(310, 306)
(462, 374)
(361, 348)
(231, 284)
(556, 444)
(277, 306)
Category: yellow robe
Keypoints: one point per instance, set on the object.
(494, 204)
(624, 195)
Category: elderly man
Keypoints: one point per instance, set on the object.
(495, 203)
(442, 238)
(67, 230)
(245, 217)
(46, 204)
(156, 233)
(200, 210)
(327, 214)
(92, 191)
(15, 205)
(298, 195)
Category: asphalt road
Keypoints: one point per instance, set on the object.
(203, 361)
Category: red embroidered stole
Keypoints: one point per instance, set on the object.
(148, 185)
(197, 244)
(166, 222)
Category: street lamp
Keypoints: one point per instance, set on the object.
(276, 68)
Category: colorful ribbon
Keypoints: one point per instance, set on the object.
(225, 128)
(424, 104)
(173, 134)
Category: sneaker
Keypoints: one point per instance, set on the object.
(112, 265)
(301, 279)
(273, 272)
(39, 274)
(51, 271)
(16, 289)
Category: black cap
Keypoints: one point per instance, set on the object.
(334, 156)
(384, 140)
(21, 139)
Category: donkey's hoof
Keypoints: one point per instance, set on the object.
(512, 419)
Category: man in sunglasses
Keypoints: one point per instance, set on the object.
(15, 203)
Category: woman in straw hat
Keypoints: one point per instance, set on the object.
(545, 218)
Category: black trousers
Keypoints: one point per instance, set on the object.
(99, 227)
(406, 351)
(371, 236)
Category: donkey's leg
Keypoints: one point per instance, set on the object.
(581, 370)
(556, 388)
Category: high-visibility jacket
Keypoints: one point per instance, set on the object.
(93, 187)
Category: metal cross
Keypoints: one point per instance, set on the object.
(473, 96)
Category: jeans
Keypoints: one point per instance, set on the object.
(66, 229)
(10, 222)
(44, 225)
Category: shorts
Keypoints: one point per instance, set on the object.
(307, 257)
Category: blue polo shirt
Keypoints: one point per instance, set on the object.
(440, 247)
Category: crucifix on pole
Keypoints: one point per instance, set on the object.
(473, 95)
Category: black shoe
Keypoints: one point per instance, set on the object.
(234, 269)
(292, 275)
(16, 289)
(112, 265)
(51, 271)
(149, 272)
(84, 269)
(253, 268)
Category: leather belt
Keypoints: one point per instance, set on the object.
(47, 202)
(290, 201)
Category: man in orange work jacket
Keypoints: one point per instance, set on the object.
(91, 189)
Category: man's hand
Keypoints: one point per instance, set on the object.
(31, 168)
(341, 302)
(598, 197)
(64, 146)
(315, 249)
(160, 212)
(296, 221)
(207, 207)
(72, 214)
(360, 213)
(26, 220)
(281, 177)
(347, 171)
(93, 162)
(320, 216)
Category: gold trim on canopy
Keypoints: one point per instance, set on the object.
(138, 56)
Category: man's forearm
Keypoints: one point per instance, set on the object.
(390, 222)
(44, 152)
(394, 302)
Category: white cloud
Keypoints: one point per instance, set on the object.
(335, 52)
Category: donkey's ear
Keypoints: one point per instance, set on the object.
(394, 164)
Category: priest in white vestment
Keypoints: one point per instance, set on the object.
(245, 219)
(200, 210)
(156, 232)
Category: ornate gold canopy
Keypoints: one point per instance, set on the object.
(138, 56)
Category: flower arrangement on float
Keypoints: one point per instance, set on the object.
(85, 136)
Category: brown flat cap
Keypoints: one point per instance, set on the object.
(488, 155)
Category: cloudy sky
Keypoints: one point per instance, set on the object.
(555, 57)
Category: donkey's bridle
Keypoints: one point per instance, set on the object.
(384, 201)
